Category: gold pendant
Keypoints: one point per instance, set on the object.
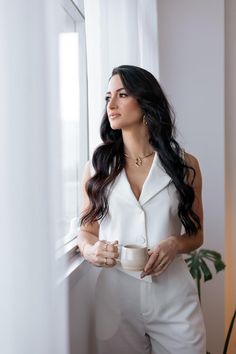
(138, 162)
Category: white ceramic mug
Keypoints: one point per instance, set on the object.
(133, 257)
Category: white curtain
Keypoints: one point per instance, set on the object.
(117, 32)
(33, 313)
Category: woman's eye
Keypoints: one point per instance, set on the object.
(108, 98)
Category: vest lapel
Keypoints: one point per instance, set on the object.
(122, 189)
(156, 180)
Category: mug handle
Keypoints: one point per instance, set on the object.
(118, 260)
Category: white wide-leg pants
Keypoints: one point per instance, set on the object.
(138, 317)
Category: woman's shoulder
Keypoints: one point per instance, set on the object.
(190, 160)
(194, 175)
(88, 170)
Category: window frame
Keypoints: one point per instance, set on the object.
(67, 245)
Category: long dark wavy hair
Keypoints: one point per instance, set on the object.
(108, 159)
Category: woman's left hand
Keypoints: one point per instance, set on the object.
(161, 257)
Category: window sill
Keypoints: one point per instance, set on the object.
(70, 252)
(73, 257)
(73, 264)
(67, 248)
(76, 265)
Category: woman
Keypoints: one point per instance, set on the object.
(142, 188)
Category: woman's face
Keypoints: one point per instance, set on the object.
(123, 110)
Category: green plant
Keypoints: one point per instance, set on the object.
(198, 267)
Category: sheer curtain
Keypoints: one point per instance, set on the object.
(117, 32)
(32, 299)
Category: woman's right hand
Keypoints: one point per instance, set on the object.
(101, 253)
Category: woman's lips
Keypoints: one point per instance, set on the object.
(113, 116)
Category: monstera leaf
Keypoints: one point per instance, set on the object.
(197, 262)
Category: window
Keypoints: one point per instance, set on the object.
(73, 107)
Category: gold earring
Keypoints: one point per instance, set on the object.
(144, 120)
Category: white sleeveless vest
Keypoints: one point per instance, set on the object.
(146, 221)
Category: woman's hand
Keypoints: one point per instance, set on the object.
(101, 253)
(161, 257)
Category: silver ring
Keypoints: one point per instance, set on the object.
(161, 265)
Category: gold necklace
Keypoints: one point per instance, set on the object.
(139, 159)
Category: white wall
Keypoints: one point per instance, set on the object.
(191, 47)
(230, 159)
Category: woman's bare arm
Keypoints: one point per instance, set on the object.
(187, 243)
(98, 252)
(88, 234)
